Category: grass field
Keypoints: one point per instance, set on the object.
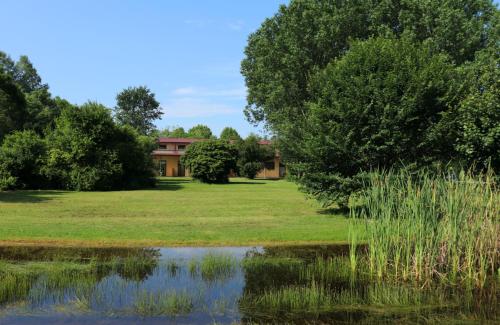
(178, 212)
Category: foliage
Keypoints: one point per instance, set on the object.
(22, 72)
(200, 131)
(250, 169)
(476, 120)
(38, 109)
(331, 126)
(376, 106)
(21, 156)
(138, 107)
(210, 161)
(252, 155)
(87, 151)
(229, 134)
(174, 132)
(12, 106)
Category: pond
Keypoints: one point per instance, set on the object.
(224, 285)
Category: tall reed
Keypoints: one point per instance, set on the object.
(424, 226)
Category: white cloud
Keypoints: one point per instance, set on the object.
(197, 107)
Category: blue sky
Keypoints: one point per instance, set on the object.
(187, 52)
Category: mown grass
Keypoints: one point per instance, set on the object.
(177, 212)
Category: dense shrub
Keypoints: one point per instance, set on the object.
(88, 151)
(250, 169)
(21, 158)
(210, 161)
(252, 155)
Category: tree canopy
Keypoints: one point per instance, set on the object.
(347, 86)
(229, 134)
(138, 107)
(173, 132)
(200, 131)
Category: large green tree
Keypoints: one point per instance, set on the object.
(138, 107)
(334, 121)
(200, 131)
(229, 134)
(41, 109)
(306, 35)
(12, 106)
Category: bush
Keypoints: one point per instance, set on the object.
(210, 161)
(250, 169)
(88, 151)
(252, 155)
(22, 155)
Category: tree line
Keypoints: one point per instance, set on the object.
(47, 142)
(348, 87)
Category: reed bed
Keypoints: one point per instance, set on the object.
(165, 303)
(425, 227)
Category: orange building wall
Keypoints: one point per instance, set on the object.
(271, 173)
(172, 164)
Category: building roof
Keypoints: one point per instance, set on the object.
(178, 140)
(265, 142)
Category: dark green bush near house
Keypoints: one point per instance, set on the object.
(21, 157)
(88, 151)
(210, 161)
(251, 156)
(250, 169)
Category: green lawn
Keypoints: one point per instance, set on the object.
(177, 212)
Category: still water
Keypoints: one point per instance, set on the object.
(224, 285)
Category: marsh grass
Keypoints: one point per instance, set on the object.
(424, 227)
(171, 303)
(217, 266)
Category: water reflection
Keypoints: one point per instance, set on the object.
(217, 285)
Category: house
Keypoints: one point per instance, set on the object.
(167, 159)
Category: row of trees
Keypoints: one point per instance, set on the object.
(46, 142)
(199, 131)
(352, 86)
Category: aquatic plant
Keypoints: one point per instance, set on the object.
(422, 226)
(217, 266)
(164, 303)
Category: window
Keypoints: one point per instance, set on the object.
(162, 147)
(269, 165)
(181, 147)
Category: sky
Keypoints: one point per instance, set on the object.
(187, 52)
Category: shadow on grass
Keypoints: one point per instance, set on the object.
(245, 183)
(28, 196)
(335, 211)
(166, 184)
